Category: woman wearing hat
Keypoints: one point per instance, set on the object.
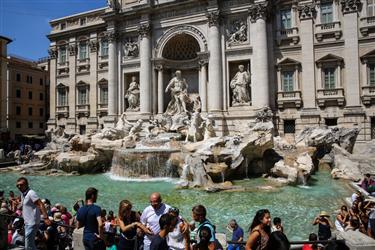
(325, 225)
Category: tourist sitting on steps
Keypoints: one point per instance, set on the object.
(260, 231)
(199, 215)
(167, 224)
(325, 225)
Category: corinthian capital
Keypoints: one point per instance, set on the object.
(213, 18)
(144, 29)
(349, 6)
(52, 51)
(259, 11)
(306, 11)
(112, 36)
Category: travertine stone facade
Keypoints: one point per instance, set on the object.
(4, 41)
(311, 61)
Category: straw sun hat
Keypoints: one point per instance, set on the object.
(324, 214)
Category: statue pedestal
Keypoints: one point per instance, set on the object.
(136, 115)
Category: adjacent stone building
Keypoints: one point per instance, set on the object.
(311, 61)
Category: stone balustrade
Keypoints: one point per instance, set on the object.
(368, 94)
(330, 96)
(367, 25)
(290, 98)
(62, 111)
(328, 30)
(291, 34)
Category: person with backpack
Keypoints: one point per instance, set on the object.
(89, 217)
(199, 213)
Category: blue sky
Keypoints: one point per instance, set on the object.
(26, 22)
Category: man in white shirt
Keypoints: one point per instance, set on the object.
(151, 215)
(32, 208)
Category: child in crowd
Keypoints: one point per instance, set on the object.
(277, 225)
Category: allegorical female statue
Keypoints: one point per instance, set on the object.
(179, 96)
(132, 95)
(239, 86)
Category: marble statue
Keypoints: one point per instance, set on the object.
(239, 86)
(195, 130)
(239, 34)
(132, 95)
(179, 96)
(131, 49)
(209, 128)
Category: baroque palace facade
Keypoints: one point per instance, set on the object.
(311, 61)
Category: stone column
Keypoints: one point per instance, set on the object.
(296, 81)
(339, 83)
(364, 79)
(203, 77)
(215, 100)
(279, 80)
(307, 13)
(93, 100)
(112, 73)
(72, 92)
(319, 82)
(145, 71)
(53, 93)
(160, 89)
(350, 30)
(260, 80)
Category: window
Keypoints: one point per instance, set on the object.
(104, 48)
(326, 13)
(370, 8)
(104, 95)
(18, 124)
(41, 82)
(63, 26)
(30, 125)
(372, 127)
(286, 19)
(82, 96)
(18, 110)
(82, 129)
(62, 54)
(30, 111)
(288, 81)
(330, 122)
(18, 93)
(82, 50)
(30, 95)
(41, 125)
(41, 112)
(371, 72)
(62, 97)
(31, 79)
(41, 97)
(289, 126)
(329, 78)
(18, 77)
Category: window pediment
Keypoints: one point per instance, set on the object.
(103, 81)
(288, 62)
(82, 84)
(61, 86)
(369, 56)
(330, 59)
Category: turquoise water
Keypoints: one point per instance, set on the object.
(296, 206)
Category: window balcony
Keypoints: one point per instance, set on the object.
(368, 95)
(82, 110)
(330, 97)
(288, 35)
(289, 99)
(367, 25)
(62, 111)
(102, 109)
(328, 30)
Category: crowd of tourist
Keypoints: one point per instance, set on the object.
(37, 224)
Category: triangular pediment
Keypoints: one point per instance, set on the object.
(61, 85)
(369, 55)
(103, 81)
(288, 61)
(330, 58)
(81, 83)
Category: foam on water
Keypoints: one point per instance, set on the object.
(146, 179)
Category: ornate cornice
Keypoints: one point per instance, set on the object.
(213, 18)
(350, 6)
(259, 11)
(72, 49)
(307, 11)
(93, 45)
(52, 51)
(144, 30)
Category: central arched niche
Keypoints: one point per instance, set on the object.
(181, 47)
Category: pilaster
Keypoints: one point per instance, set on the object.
(112, 72)
(72, 59)
(52, 76)
(93, 100)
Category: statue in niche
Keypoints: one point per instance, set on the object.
(131, 48)
(132, 95)
(179, 96)
(239, 86)
(238, 34)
